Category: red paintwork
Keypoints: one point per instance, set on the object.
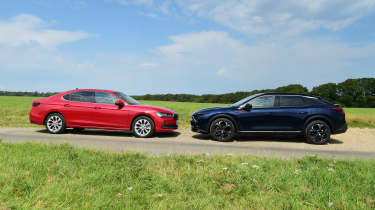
(98, 116)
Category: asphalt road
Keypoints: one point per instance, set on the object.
(186, 142)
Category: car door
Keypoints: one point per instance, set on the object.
(291, 113)
(79, 108)
(259, 118)
(109, 115)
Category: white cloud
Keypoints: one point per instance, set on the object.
(128, 2)
(29, 30)
(309, 62)
(268, 17)
(222, 72)
(30, 58)
(203, 62)
(148, 65)
(273, 17)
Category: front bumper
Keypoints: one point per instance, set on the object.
(195, 127)
(168, 124)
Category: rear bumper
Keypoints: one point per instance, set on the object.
(36, 117)
(342, 129)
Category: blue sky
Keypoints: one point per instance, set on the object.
(183, 46)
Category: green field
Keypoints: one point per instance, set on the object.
(14, 112)
(36, 176)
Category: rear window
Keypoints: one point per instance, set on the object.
(291, 101)
(310, 101)
(80, 96)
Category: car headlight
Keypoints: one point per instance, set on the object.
(162, 114)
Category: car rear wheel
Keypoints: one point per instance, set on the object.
(55, 123)
(317, 132)
(222, 129)
(143, 127)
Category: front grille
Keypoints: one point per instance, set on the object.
(175, 116)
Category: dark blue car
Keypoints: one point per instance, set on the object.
(285, 113)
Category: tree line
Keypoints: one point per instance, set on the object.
(350, 93)
(24, 93)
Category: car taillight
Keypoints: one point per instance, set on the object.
(35, 104)
(339, 109)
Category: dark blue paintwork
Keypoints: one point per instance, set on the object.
(282, 119)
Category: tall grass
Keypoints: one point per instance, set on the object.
(36, 176)
(14, 112)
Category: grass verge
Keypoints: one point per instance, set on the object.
(60, 176)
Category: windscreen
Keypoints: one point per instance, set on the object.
(127, 98)
(239, 103)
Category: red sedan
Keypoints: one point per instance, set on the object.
(101, 109)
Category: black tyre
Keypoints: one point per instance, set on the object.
(317, 132)
(55, 123)
(143, 127)
(222, 129)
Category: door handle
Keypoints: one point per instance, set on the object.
(67, 105)
(302, 112)
(97, 107)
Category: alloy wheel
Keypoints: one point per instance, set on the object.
(222, 129)
(319, 132)
(54, 124)
(143, 127)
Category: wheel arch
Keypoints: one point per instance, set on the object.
(52, 112)
(319, 117)
(140, 115)
(228, 116)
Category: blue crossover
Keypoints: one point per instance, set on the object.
(312, 116)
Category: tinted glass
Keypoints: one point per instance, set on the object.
(67, 97)
(266, 101)
(81, 96)
(291, 101)
(105, 98)
(239, 103)
(309, 101)
(127, 98)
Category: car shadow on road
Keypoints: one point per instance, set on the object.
(266, 138)
(92, 132)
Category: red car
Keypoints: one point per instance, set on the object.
(101, 109)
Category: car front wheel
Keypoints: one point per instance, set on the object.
(143, 127)
(222, 129)
(55, 123)
(317, 132)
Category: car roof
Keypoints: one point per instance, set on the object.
(291, 94)
(102, 90)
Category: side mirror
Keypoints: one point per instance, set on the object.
(120, 104)
(247, 107)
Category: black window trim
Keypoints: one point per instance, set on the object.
(62, 97)
(301, 96)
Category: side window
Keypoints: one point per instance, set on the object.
(291, 101)
(309, 101)
(67, 97)
(80, 96)
(105, 98)
(266, 101)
